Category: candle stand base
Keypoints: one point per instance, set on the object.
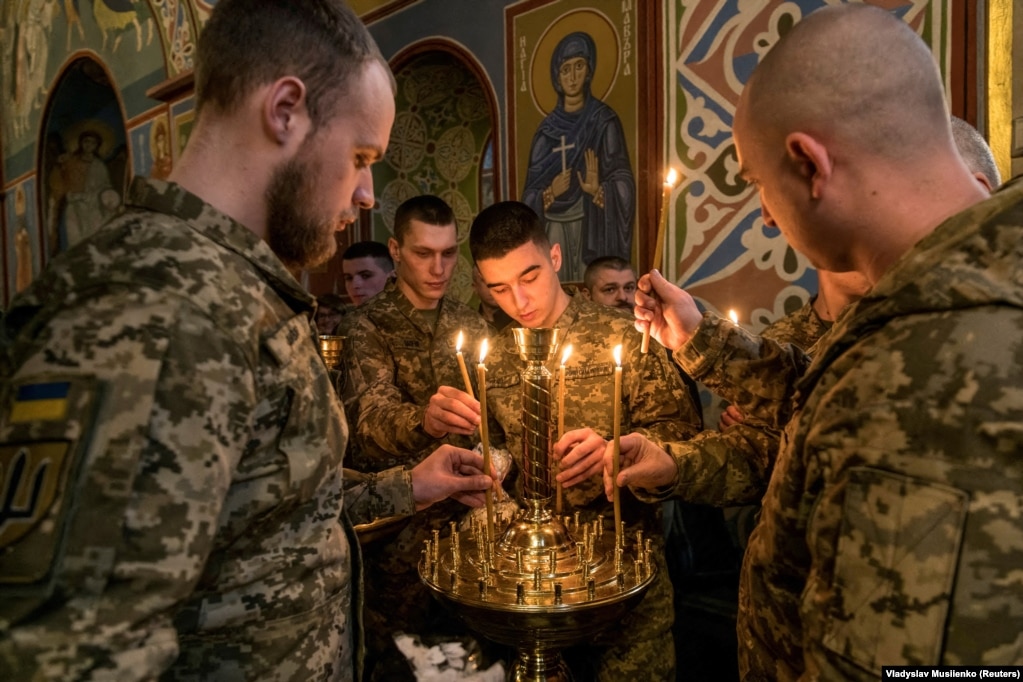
(543, 587)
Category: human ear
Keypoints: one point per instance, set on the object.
(985, 183)
(811, 160)
(392, 246)
(285, 117)
(556, 257)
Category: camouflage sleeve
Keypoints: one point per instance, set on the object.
(913, 510)
(756, 374)
(156, 409)
(369, 497)
(660, 406)
(386, 420)
(732, 467)
(720, 468)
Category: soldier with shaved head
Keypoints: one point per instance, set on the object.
(891, 531)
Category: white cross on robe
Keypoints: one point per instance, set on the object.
(563, 148)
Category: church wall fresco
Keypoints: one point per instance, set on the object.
(718, 245)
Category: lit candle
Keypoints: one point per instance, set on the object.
(561, 418)
(733, 316)
(481, 379)
(461, 364)
(662, 228)
(618, 442)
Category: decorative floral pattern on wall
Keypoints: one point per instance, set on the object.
(437, 146)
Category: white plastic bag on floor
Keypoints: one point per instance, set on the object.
(445, 662)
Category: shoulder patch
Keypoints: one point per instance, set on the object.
(45, 401)
(44, 429)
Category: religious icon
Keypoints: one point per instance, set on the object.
(84, 161)
(81, 180)
(580, 177)
(23, 256)
(159, 145)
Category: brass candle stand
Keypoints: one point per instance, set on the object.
(545, 582)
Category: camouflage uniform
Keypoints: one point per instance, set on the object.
(732, 467)
(890, 531)
(165, 404)
(396, 359)
(654, 403)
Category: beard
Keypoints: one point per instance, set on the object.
(299, 237)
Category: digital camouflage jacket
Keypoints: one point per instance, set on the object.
(396, 359)
(892, 528)
(732, 467)
(171, 450)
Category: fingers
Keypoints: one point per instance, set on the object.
(582, 456)
(449, 472)
(451, 411)
(730, 417)
(659, 285)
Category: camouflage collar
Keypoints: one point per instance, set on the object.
(172, 199)
(962, 264)
(393, 294)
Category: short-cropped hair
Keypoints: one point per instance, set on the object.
(615, 263)
(504, 227)
(426, 208)
(370, 249)
(246, 44)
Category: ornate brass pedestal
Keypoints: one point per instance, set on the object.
(332, 351)
(547, 582)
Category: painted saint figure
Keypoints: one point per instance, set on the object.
(580, 177)
(84, 180)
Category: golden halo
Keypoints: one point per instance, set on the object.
(605, 37)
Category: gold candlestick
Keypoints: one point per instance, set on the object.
(617, 443)
(662, 228)
(481, 379)
(561, 419)
(461, 365)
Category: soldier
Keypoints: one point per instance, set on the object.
(171, 446)
(880, 541)
(405, 395)
(520, 266)
(366, 267)
(610, 280)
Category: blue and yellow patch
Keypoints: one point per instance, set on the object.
(40, 402)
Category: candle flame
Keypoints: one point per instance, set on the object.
(566, 353)
(733, 316)
(483, 350)
(458, 343)
(672, 178)
(618, 354)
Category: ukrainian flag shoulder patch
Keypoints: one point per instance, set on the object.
(40, 402)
